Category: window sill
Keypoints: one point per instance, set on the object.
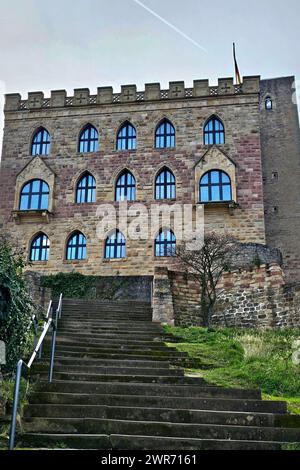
(75, 261)
(114, 260)
(32, 216)
(232, 205)
(38, 263)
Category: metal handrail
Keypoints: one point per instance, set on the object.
(50, 321)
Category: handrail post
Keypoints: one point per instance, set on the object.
(53, 343)
(13, 426)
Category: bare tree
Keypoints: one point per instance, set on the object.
(207, 265)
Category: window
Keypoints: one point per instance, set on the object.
(165, 244)
(126, 137)
(76, 247)
(214, 133)
(268, 103)
(125, 187)
(215, 186)
(41, 143)
(165, 186)
(34, 196)
(86, 189)
(115, 246)
(89, 140)
(165, 135)
(40, 248)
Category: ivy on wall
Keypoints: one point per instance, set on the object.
(16, 305)
(78, 286)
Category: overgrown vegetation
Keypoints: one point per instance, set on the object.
(78, 286)
(17, 306)
(244, 358)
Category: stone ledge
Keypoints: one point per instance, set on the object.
(129, 94)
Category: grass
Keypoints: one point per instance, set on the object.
(244, 358)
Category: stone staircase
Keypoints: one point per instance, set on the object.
(117, 386)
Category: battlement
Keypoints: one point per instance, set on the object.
(129, 94)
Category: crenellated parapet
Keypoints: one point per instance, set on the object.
(129, 94)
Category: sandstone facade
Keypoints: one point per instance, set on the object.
(241, 157)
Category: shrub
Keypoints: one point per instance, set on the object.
(19, 309)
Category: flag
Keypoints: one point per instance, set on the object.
(237, 72)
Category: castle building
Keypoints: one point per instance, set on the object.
(232, 149)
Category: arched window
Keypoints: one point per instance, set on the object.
(76, 247)
(268, 103)
(214, 133)
(115, 246)
(86, 189)
(165, 243)
(34, 196)
(165, 186)
(215, 186)
(125, 187)
(165, 135)
(126, 139)
(41, 142)
(40, 247)
(89, 140)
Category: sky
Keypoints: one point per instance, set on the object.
(67, 44)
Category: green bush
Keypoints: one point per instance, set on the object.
(14, 325)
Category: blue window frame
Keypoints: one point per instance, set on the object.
(86, 189)
(40, 247)
(165, 185)
(126, 139)
(89, 140)
(125, 187)
(165, 135)
(115, 246)
(34, 196)
(76, 247)
(165, 243)
(214, 132)
(41, 142)
(215, 186)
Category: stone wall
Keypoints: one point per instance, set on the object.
(40, 295)
(280, 144)
(252, 298)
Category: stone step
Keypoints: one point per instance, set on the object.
(132, 363)
(113, 323)
(153, 428)
(151, 414)
(128, 350)
(106, 334)
(127, 442)
(126, 314)
(122, 442)
(96, 339)
(63, 341)
(146, 389)
(173, 359)
(211, 404)
(95, 326)
(176, 378)
(90, 369)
